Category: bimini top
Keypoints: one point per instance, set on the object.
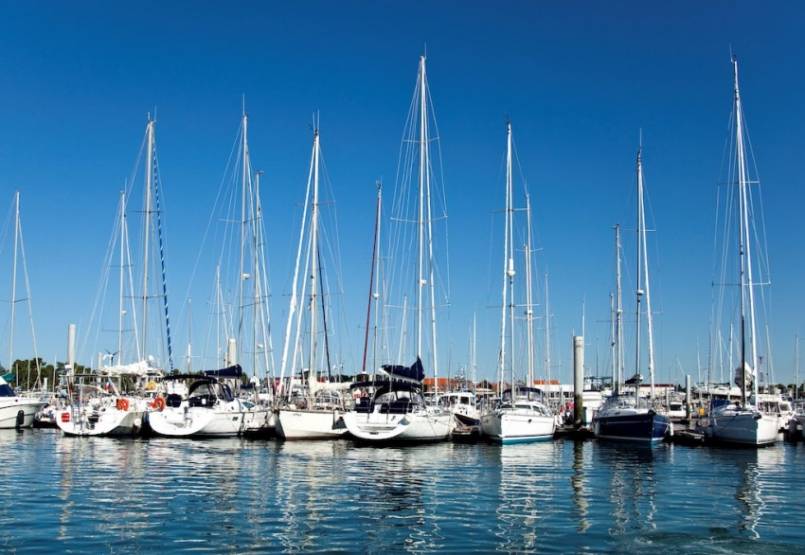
(5, 389)
(415, 372)
(384, 385)
(229, 372)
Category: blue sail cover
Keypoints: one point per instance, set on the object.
(414, 372)
(230, 372)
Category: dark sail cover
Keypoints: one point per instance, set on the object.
(230, 372)
(414, 372)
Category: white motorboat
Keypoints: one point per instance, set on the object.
(463, 405)
(17, 411)
(777, 406)
(208, 408)
(520, 418)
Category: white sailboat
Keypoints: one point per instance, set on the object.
(215, 404)
(397, 410)
(315, 412)
(522, 415)
(18, 411)
(97, 406)
(743, 423)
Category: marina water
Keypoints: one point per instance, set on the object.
(233, 496)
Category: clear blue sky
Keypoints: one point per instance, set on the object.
(578, 80)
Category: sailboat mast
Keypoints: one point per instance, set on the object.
(618, 311)
(423, 152)
(529, 311)
(314, 259)
(149, 177)
(376, 295)
(256, 291)
(508, 265)
(510, 252)
(243, 221)
(547, 332)
(646, 282)
(639, 289)
(373, 288)
(294, 301)
(121, 277)
(747, 293)
(14, 281)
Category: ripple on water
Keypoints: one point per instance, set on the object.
(235, 496)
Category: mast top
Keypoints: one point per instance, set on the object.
(737, 89)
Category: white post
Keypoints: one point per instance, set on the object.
(578, 380)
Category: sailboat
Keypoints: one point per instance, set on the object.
(396, 410)
(522, 416)
(316, 411)
(214, 403)
(18, 411)
(97, 404)
(743, 423)
(626, 415)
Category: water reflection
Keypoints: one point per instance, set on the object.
(632, 484)
(525, 494)
(231, 495)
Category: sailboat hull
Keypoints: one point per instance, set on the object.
(417, 427)
(226, 421)
(746, 428)
(310, 424)
(506, 427)
(640, 426)
(112, 422)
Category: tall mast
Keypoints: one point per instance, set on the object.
(508, 265)
(423, 153)
(243, 221)
(374, 294)
(618, 310)
(613, 350)
(745, 253)
(646, 282)
(547, 332)
(529, 311)
(120, 310)
(510, 252)
(314, 258)
(256, 291)
(149, 177)
(14, 281)
(294, 301)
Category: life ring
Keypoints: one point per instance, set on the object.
(122, 404)
(158, 403)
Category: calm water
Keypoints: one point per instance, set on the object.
(149, 496)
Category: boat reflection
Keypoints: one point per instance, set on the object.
(526, 494)
(632, 488)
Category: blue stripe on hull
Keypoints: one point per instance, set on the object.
(523, 439)
(634, 427)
